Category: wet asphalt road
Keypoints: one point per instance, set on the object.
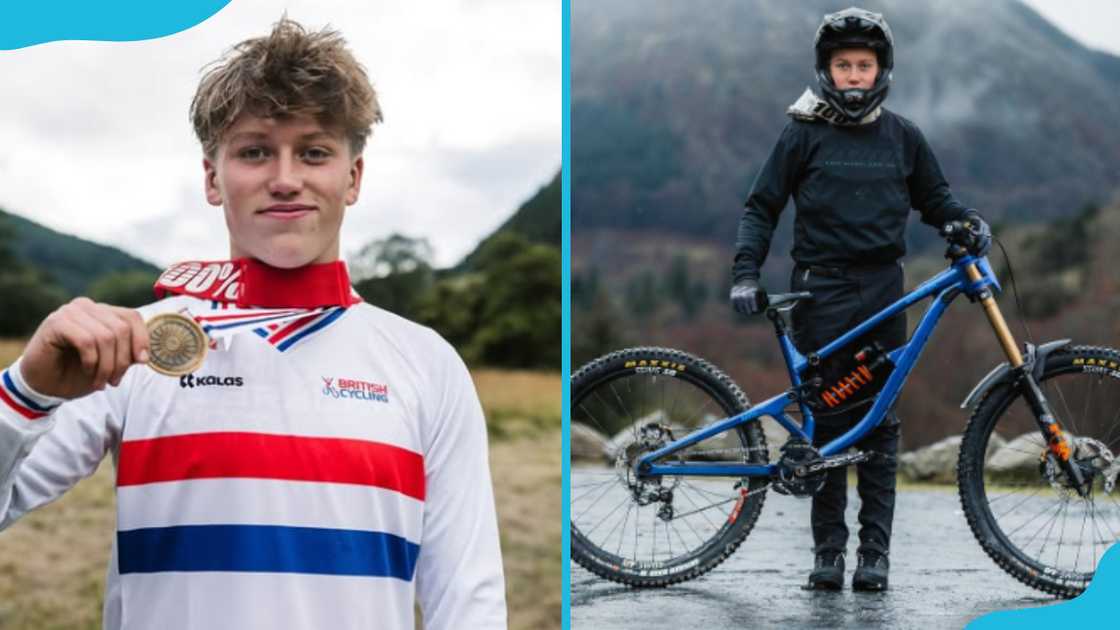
(940, 578)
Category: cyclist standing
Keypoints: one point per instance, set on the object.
(855, 170)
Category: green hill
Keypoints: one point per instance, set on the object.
(72, 262)
(537, 220)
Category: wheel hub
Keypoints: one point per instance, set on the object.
(647, 489)
(1091, 456)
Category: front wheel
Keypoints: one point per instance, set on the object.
(1020, 505)
(662, 530)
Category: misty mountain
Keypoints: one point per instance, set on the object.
(675, 106)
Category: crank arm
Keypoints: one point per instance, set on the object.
(838, 461)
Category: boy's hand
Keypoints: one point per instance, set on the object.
(82, 347)
(745, 297)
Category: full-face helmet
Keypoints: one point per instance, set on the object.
(854, 28)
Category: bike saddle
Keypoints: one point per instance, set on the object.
(779, 300)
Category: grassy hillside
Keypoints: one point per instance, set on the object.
(72, 262)
(52, 562)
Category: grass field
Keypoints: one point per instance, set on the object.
(52, 562)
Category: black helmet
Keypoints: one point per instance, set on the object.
(854, 28)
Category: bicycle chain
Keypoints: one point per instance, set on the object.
(759, 449)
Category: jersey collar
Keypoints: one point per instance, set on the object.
(247, 283)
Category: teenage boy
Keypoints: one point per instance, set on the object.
(855, 170)
(327, 463)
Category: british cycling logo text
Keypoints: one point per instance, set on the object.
(352, 388)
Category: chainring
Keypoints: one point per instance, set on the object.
(798, 454)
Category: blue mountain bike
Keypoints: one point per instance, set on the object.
(670, 465)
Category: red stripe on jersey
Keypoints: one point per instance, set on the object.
(291, 328)
(268, 456)
(30, 414)
(255, 315)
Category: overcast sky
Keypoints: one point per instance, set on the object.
(1092, 22)
(97, 141)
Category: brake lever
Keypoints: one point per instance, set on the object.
(961, 238)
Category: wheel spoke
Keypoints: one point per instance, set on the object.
(1061, 537)
(1049, 522)
(622, 405)
(625, 501)
(1028, 521)
(590, 485)
(1113, 423)
(1037, 488)
(618, 536)
(622, 532)
(1012, 509)
(1039, 519)
(1080, 538)
(595, 420)
(702, 512)
(593, 503)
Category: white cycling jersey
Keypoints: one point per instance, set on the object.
(322, 474)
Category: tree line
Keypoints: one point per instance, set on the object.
(503, 309)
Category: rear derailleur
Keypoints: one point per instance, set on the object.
(646, 490)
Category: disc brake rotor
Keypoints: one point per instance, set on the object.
(1094, 459)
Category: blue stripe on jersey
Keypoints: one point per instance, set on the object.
(244, 322)
(23, 399)
(322, 323)
(266, 548)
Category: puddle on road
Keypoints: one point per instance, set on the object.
(940, 578)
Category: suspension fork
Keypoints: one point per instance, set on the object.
(1047, 422)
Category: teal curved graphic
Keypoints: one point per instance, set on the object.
(28, 23)
(1096, 603)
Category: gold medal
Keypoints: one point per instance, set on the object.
(178, 344)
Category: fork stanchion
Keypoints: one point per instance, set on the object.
(1003, 333)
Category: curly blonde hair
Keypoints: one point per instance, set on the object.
(291, 72)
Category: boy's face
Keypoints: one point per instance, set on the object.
(854, 68)
(284, 184)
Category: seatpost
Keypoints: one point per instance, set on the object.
(995, 316)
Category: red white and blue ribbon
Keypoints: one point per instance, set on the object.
(280, 305)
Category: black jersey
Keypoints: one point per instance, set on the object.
(853, 186)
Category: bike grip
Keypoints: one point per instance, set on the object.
(762, 299)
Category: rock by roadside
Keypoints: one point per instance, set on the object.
(937, 463)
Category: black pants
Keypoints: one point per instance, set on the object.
(841, 300)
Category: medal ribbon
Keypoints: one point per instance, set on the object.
(253, 294)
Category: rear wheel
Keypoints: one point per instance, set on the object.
(1020, 505)
(662, 530)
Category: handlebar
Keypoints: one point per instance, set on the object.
(962, 236)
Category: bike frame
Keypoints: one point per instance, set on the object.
(969, 275)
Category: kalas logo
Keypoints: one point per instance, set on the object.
(355, 389)
(190, 380)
